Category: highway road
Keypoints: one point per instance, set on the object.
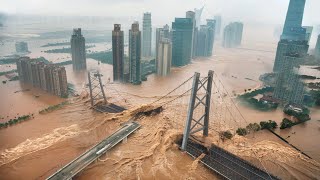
(75, 166)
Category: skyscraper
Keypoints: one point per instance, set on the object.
(161, 33)
(78, 50)
(135, 54)
(293, 29)
(146, 35)
(293, 38)
(192, 15)
(205, 39)
(211, 34)
(218, 24)
(182, 29)
(164, 57)
(118, 53)
(317, 49)
(292, 48)
(198, 13)
(232, 35)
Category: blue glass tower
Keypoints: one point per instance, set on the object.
(182, 31)
(293, 29)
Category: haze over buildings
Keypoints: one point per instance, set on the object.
(78, 50)
(218, 25)
(21, 47)
(232, 35)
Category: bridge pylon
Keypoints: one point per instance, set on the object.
(96, 87)
(194, 125)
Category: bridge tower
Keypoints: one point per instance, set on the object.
(96, 87)
(202, 124)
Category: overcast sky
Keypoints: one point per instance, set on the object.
(268, 11)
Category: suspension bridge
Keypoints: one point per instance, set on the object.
(199, 106)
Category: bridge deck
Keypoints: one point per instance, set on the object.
(226, 164)
(74, 167)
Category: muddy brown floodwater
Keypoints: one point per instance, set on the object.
(38, 147)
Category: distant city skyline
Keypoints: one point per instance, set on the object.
(242, 10)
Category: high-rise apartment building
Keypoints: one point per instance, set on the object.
(118, 53)
(192, 15)
(78, 50)
(164, 57)
(48, 77)
(146, 35)
(218, 20)
(182, 29)
(161, 33)
(317, 49)
(135, 54)
(232, 35)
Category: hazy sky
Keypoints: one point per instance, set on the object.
(268, 11)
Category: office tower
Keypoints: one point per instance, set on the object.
(293, 29)
(146, 35)
(48, 77)
(161, 33)
(218, 24)
(232, 35)
(164, 57)
(135, 54)
(198, 13)
(78, 50)
(317, 49)
(192, 15)
(292, 49)
(21, 47)
(182, 29)
(309, 30)
(293, 38)
(118, 53)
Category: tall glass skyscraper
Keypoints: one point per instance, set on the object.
(292, 48)
(118, 53)
(182, 29)
(146, 35)
(292, 29)
(78, 50)
(162, 33)
(135, 54)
